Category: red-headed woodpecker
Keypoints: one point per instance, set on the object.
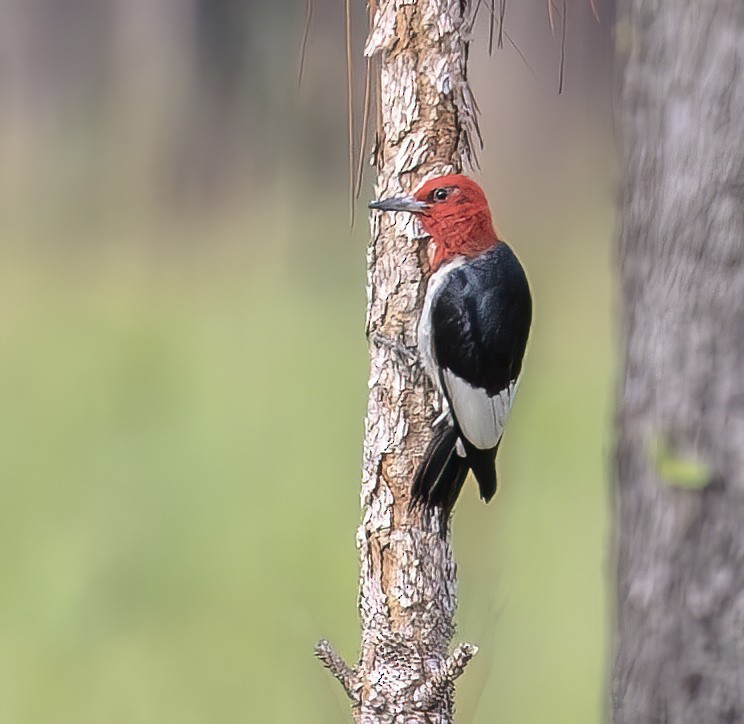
(472, 333)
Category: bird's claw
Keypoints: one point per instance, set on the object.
(404, 354)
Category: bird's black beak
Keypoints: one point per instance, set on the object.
(400, 203)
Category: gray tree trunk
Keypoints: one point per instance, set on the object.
(407, 588)
(680, 456)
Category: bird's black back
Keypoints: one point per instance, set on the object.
(481, 320)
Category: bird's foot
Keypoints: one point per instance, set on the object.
(405, 355)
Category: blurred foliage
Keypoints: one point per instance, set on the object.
(180, 450)
(183, 371)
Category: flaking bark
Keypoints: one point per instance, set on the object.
(407, 595)
(680, 457)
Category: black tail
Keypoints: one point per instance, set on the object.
(441, 475)
(483, 465)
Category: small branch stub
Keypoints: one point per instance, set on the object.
(427, 697)
(347, 675)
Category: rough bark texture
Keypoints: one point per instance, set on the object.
(408, 576)
(680, 503)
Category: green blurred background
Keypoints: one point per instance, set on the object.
(183, 366)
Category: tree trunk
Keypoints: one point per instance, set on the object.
(407, 588)
(680, 456)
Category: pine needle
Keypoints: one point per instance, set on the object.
(303, 47)
(474, 14)
(563, 47)
(521, 55)
(350, 108)
(595, 12)
(378, 94)
(502, 13)
(508, 37)
(368, 80)
(365, 123)
(491, 26)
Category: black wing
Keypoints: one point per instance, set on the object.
(480, 324)
(481, 320)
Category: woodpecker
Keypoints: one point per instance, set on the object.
(472, 334)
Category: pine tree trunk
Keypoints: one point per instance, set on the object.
(408, 574)
(680, 456)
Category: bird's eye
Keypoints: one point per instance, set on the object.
(440, 194)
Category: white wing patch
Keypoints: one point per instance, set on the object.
(481, 418)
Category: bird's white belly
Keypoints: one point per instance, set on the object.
(425, 335)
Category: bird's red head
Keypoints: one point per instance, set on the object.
(452, 210)
(457, 217)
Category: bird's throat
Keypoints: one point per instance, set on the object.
(462, 237)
